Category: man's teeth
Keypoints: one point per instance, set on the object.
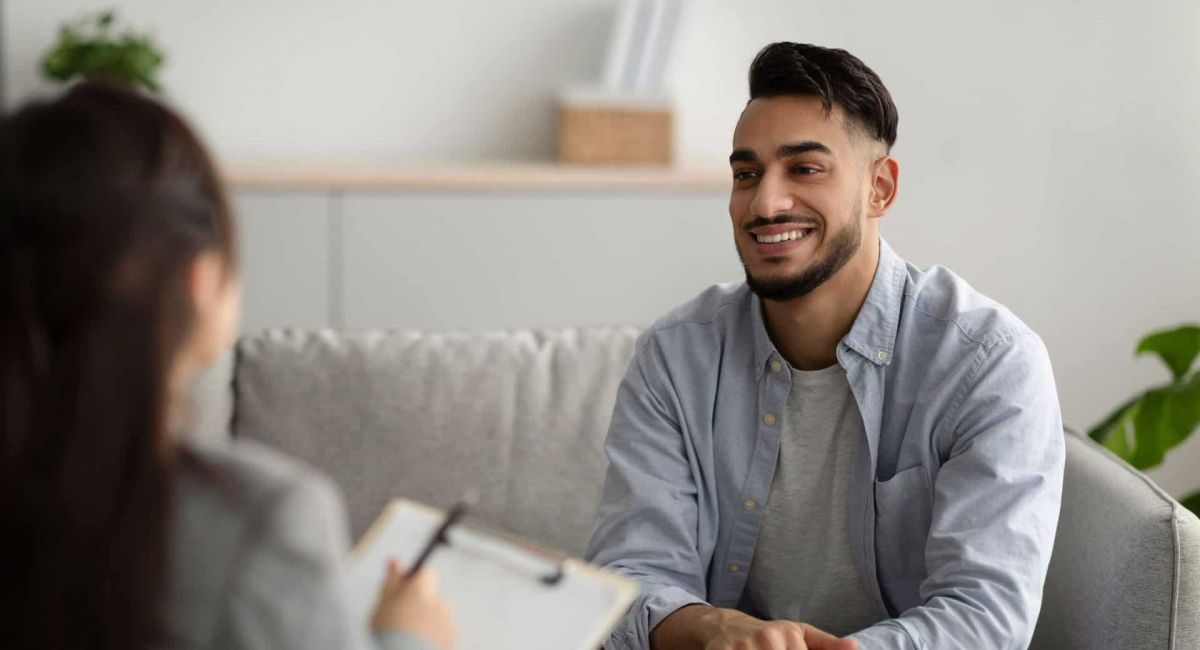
(783, 236)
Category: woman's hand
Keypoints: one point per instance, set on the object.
(413, 605)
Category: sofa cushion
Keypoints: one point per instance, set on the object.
(519, 416)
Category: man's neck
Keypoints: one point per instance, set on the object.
(807, 330)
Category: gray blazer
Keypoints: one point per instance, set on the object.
(257, 545)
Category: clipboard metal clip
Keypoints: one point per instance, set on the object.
(442, 537)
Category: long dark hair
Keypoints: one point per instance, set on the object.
(106, 197)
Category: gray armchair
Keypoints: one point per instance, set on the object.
(1125, 572)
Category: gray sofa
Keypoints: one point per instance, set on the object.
(521, 417)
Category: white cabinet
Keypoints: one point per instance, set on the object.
(284, 240)
(488, 260)
(477, 260)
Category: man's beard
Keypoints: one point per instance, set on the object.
(842, 248)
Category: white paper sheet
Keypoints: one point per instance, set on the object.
(494, 586)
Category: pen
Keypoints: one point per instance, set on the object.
(439, 536)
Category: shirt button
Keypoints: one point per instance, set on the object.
(735, 568)
(749, 505)
(769, 419)
(776, 366)
(881, 355)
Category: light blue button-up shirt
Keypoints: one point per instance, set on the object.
(956, 484)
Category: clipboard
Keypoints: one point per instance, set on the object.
(504, 594)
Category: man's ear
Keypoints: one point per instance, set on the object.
(885, 181)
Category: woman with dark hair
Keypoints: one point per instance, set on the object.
(118, 282)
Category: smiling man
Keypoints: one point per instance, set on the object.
(843, 450)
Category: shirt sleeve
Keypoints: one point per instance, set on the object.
(647, 527)
(288, 590)
(396, 640)
(996, 501)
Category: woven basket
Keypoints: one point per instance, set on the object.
(614, 136)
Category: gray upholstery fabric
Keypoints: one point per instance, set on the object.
(519, 416)
(1113, 579)
(1187, 606)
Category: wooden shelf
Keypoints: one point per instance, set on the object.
(358, 176)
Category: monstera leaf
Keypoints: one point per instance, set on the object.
(1146, 427)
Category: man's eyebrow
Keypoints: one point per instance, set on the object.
(797, 148)
(785, 151)
(743, 155)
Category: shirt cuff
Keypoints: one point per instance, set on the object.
(887, 635)
(656, 603)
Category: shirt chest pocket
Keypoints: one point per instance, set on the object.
(903, 513)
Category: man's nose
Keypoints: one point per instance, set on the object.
(772, 197)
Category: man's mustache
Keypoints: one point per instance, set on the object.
(759, 222)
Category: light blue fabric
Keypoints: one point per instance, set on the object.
(956, 484)
(397, 640)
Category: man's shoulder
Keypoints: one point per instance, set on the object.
(939, 300)
(711, 307)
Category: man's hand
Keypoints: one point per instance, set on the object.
(714, 628)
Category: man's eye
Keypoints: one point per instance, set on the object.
(744, 174)
(804, 170)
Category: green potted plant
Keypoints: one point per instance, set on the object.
(1145, 428)
(91, 49)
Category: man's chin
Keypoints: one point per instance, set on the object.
(782, 286)
(778, 287)
(776, 277)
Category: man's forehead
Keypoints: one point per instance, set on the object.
(771, 121)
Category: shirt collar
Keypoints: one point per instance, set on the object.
(873, 334)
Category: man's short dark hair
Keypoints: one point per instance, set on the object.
(834, 76)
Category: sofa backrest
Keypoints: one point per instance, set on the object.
(521, 417)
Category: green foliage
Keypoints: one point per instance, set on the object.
(1192, 503)
(1177, 348)
(1146, 427)
(90, 49)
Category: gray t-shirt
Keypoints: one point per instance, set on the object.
(802, 568)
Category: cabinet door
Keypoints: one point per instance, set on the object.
(478, 261)
(285, 258)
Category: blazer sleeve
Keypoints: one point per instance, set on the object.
(287, 590)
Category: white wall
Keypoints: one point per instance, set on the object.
(445, 80)
(1049, 151)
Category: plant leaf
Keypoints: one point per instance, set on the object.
(1192, 503)
(1177, 348)
(1112, 433)
(1152, 433)
(1165, 417)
